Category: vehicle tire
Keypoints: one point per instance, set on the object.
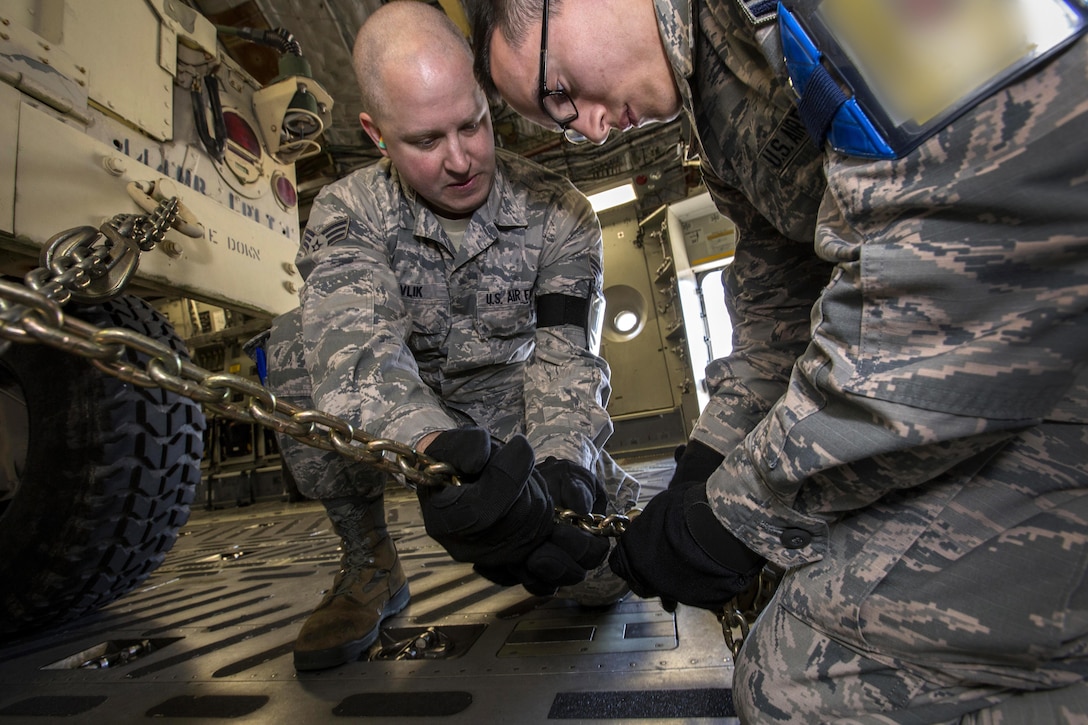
(100, 477)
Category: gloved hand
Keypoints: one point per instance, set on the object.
(502, 518)
(573, 487)
(501, 513)
(677, 549)
(694, 463)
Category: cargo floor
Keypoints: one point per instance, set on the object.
(207, 638)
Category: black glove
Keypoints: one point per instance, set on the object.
(466, 449)
(694, 463)
(501, 513)
(677, 549)
(573, 487)
(502, 518)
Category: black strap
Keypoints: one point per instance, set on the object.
(820, 101)
(215, 143)
(555, 309)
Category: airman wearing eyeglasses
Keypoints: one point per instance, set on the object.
(901, 425)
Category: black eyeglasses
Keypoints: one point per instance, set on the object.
(555, 103)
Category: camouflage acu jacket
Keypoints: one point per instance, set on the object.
(895, 321)
(405, 335)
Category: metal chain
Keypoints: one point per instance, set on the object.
(33, 314)
(739, 613)
(93, 265)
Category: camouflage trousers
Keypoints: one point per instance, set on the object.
(790, 672)
(964, 602)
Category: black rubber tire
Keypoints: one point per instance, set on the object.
(110, 472)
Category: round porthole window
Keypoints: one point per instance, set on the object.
(625, 313)
(625, 321)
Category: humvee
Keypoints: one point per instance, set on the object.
(108, 116)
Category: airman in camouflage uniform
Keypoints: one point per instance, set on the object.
(453, 291)
(403, 334)
(902, 423)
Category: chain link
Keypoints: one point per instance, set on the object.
(600, 524)
(32, 313)
(94, 265)
(739, 614)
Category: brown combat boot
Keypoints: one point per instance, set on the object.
(369, 588)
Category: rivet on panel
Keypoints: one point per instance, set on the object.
(114, 165)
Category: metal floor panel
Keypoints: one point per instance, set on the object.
(208, 639)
